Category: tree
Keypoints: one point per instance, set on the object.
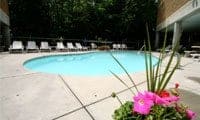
(107, 19)
(26, 20)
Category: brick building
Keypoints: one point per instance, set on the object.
(4, 25)
(179, 17)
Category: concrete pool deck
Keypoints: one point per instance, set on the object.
(28, 95)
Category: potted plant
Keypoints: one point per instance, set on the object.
(156, 103)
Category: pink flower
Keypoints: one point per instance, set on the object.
(190, 114)
(143, 103)
(172, 99)
(149, 95)
(160, 101)
(165, 100)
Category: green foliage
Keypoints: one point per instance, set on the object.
(157, 80)
(109, 19)
(27, 17)
(165, 113)
(125, 112)
(124, 69)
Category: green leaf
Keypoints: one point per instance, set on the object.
(123, 82)
(130, 78)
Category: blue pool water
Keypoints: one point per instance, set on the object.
(97, 63)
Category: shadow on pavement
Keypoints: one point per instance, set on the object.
(196, 79)
(192, 100)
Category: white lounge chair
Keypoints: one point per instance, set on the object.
(45, 46)
(16, 46)
(60, 46)
(80, 47)
(93, 46)
(118, 46)
(70, 46)
(167, 49)
(123, 46)
(115, 46)
(31, 46)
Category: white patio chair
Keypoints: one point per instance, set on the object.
(93, 46)
(31, 46)
(70, 46)
(60, 46)
(123, 46)
(16, 46)
(118, 46)
(114, 46)
(45, 46)
(80, 47)
(167, 49)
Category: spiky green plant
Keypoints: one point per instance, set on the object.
(130, 78)
(157, 79)
(157, 82)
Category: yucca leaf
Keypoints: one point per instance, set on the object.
(125, 72)
(157, 76)
(165, 73)
(170, 75)
(167, 67)
(150, 60)
(122, 82)
(147, 69)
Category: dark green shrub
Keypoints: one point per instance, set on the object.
(124, 112)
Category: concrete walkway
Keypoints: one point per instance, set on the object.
(29, 95)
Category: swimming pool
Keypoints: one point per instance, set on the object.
(89, 64)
